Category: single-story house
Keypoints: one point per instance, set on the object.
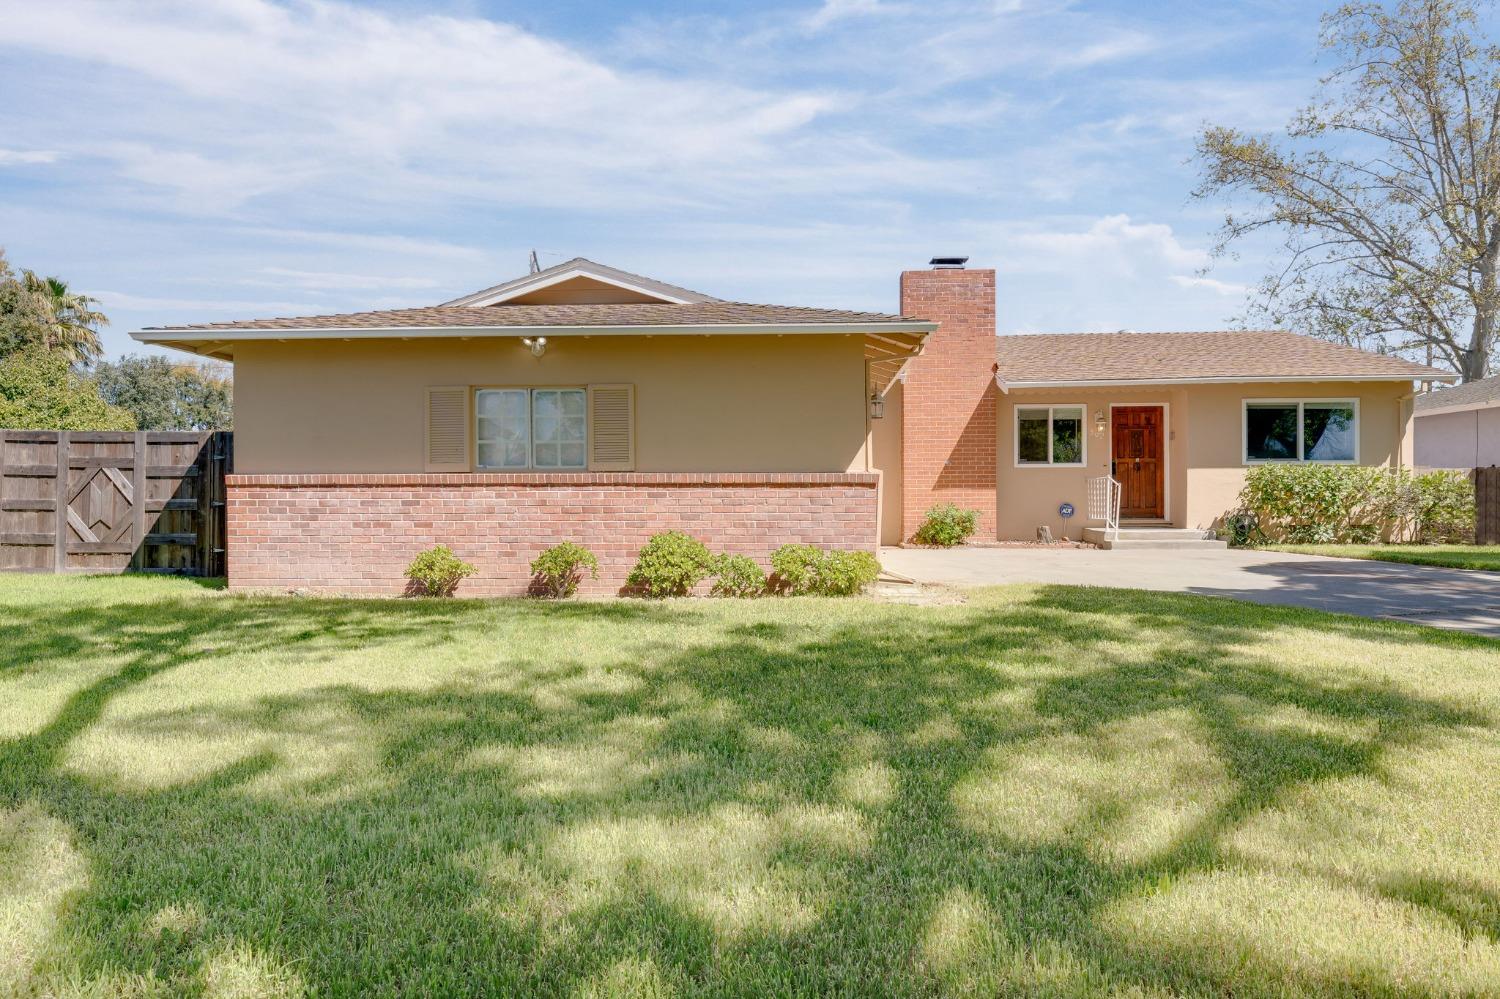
(586, 403)
(1459, 427)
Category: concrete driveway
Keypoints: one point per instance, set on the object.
(1445, 598)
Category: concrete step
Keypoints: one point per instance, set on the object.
(1154, 538)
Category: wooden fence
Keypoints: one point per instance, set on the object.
(106, 501)
(1487, 505)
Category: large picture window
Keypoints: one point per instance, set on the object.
(1049, 435)
(532, 428)
(1301, 430)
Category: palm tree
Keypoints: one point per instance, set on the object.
(71, 324)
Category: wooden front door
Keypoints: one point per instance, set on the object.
(1137, 461)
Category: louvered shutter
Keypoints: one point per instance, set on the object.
(612, 428)
(447, 440)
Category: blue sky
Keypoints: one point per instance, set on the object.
(216, 159)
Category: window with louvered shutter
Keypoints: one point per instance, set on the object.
(612, 428)
(447, 440)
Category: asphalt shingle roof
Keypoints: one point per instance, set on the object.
(643, 314)
(1484, 392)
(1127, 357)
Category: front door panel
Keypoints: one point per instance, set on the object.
(1137, 461)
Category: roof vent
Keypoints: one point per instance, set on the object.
(948, 263)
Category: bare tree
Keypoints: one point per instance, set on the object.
(1385, 190)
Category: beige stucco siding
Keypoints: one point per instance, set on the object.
(793, 403)
(1205, 460)
(1465, 439)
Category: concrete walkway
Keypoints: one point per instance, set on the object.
(1445, 598)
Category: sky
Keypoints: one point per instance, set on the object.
(201, 160)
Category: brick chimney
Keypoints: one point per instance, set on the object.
(948, 403)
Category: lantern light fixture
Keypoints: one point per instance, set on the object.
(877, 406)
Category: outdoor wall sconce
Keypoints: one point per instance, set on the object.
(537, 345)
(1099, 422)
(877, 406)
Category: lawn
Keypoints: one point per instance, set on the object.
(1043, 791)
(1449, 556)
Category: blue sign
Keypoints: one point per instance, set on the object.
(1066, 510)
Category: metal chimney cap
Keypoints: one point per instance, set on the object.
(948, 263)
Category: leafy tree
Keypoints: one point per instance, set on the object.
(40, 390)
(42, 312)
(1385, 189)
(165, 395)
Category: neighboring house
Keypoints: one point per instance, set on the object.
(587, 403)
(1459, 427)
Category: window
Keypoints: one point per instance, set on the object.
(1049, 435)
(532, 428)
(1302, 430)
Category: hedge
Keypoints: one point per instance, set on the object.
(1353, 504)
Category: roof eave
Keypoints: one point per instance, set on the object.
(175, 335)
(1220, 380)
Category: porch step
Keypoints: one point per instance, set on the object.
(1161, 538)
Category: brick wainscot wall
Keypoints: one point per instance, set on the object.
(356, 533)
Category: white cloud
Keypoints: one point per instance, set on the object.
(838, 10)
(27, 157)
(241, 99)
(1211, 284)
(111, 300)
(287, 276)
(1113, 243)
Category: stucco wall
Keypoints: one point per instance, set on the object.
(725, 403)
(1458, 440)
(1205, 462)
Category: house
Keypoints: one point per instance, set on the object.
(1459, 427)
(587, 403)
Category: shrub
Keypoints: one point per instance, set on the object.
(437, 572)
(804, 569)
(947, 525)
(737, 576)
(1445, 507)
(845, 573)
(557, 571)
(795, 568)
(670, 565)
(1344, 504)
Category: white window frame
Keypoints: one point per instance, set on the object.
(1245, 405)
(530, 391)
(1083, 434)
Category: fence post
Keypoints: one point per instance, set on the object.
(138, 501)
(60, 515)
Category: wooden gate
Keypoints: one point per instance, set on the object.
(107, 501)
(1487, 505)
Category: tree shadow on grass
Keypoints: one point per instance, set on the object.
(772, 805)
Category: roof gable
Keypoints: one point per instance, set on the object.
(581, 281)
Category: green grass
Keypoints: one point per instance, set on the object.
(1449, 556)
(1045, 791)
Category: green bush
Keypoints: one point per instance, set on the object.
(946, 525)
(557, 571)
(737, 576)
(846, 573)
(803, 569)
(1445, 507)
(670, 565)
(39, 390)
(1356, 504)
(437, 572)
(794, 568)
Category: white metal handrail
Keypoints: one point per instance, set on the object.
(1104, 503)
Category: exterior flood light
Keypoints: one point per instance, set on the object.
(877, 407)
(538, 345)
